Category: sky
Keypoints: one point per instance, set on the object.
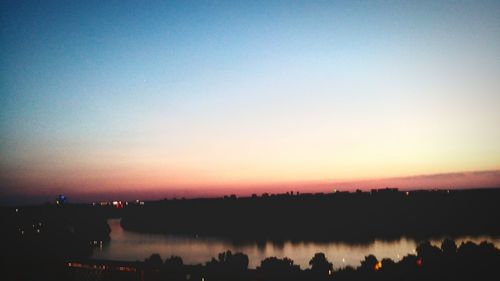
(197, 98)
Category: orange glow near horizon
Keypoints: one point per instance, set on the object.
(312, 96)
(156, 188)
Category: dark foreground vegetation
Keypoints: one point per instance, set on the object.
(469, 261)
(37, 241)
(55, 241)
(352, 217)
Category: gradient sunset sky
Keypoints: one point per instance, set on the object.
(197, 98)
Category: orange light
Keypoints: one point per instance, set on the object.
(377, 266)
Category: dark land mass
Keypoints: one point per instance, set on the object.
(350, 217)
(54, 242)
(37, 240)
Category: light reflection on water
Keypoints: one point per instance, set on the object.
(126, 245)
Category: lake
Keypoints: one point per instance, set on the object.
(131, 246)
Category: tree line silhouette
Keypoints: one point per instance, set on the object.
(342, 216)
(469, 261)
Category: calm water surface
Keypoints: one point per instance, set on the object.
(127, 245)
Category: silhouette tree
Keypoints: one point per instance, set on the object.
(369, 263)
(320, 265)
(448, 247)
(278, 269)
(154, 261)
(429, 254)
(153, 265)
(173, 268)
(388, 264)
(228, 266)
(173, 262)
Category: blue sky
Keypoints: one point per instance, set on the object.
(120, 95)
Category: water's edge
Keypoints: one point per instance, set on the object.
(131, 246)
